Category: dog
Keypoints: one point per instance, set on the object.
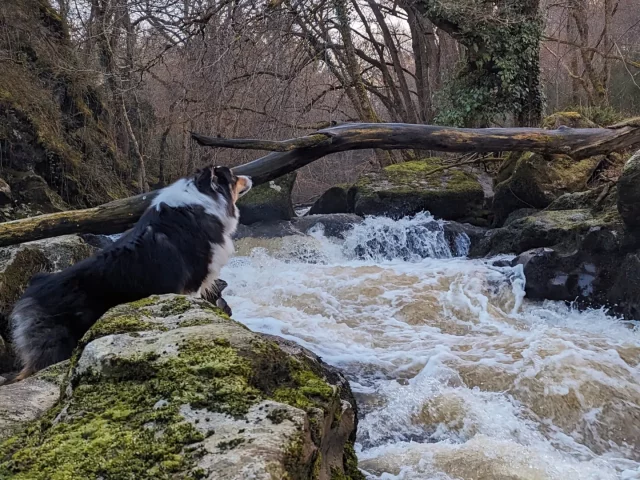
(178, 246)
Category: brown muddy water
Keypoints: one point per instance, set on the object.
(456, 374)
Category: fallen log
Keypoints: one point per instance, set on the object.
(289, 155)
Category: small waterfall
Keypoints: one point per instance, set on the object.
(410, 239)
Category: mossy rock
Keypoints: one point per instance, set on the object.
(537, 180)
(567, 119)
(268, 202)
(408, 188)
(52, 119)
(20, 262)
(334, 200)
(171, 388)
(549, 228)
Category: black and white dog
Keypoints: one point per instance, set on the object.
(178, 246)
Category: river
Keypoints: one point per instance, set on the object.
(457, 375)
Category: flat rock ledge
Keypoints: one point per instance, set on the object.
(171, 388)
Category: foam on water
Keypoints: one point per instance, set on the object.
(456, 374)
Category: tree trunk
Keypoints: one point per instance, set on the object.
(290, 155)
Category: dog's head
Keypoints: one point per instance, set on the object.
(213, 181)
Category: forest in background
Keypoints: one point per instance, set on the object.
(284, 68)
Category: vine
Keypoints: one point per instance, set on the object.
(500, 74)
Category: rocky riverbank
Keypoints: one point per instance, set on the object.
(170, 387)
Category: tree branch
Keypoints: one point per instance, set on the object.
(289, 155)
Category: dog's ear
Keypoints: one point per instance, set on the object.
(205, 179)
(223, 175)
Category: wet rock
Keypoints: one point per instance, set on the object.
(334, 200)
(268, 202)
(334, 225)
(274, 229)
(518, 214)
(547, 229)
(453, 231)
(537, 180)
(169, 387)
(576, 201)
(403, 189)
(629, 192)
(19, 263)
(596, 268)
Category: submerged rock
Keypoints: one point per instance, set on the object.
(268, 202)
(404, 189)
(169, 387)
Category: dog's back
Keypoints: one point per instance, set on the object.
(168, 251)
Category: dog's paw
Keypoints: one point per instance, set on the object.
(224, 306)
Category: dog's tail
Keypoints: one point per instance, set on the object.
(37, 339)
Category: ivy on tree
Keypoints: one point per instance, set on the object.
(500, 77)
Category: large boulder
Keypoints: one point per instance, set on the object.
(20, 262)
(335, 200)
(268, 202)
(537, 180)
(169, 387)
(408, 188)
(529, 180)
(567, 119)
(547, 228)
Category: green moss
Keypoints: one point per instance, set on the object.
(177, 305)
(55, 373)
(113, 427)
(278, 415)
(317, 464)
(119, 322)
(307, 391)
(145, 302)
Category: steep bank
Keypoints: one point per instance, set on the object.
(54, 124)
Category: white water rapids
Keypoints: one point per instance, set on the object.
(456, 374)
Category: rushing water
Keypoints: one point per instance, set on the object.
(456, 374)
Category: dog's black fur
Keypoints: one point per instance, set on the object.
(169, 250)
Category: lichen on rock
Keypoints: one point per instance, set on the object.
(159, 391)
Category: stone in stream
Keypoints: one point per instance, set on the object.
(268, 202)
(403, 189)
(531, 180)
(170, 387)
